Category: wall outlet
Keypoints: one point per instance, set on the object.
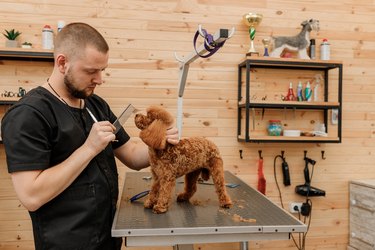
(295, 207)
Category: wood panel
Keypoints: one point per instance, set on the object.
(144, 35)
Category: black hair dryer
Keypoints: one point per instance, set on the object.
(306, 189)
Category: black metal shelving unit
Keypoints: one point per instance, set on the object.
(244, 101)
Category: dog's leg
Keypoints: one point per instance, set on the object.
(277, 52)
(190, 186)
(217, 173)
(302, 54)
(153, 195)
(165, 194)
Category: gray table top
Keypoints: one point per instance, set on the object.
(251, 213)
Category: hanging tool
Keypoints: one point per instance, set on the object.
(306, 189)
(212, 43)
(261, 178)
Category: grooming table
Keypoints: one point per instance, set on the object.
(252, 217)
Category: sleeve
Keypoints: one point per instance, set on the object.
(25, 135)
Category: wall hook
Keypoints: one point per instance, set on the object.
(241, 154)
(282, 154)
(305, 152)
(323, 157)
(260, 154)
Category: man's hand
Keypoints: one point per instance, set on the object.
(172, 136)
(100, 135)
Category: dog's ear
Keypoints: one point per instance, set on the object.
(155, 135)
(304, 23)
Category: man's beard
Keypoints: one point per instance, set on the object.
(69, 83)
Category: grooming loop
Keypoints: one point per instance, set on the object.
(211, 44)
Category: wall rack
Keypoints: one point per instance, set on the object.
(246, 104)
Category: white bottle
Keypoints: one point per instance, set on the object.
(324, 50)
(47, 37)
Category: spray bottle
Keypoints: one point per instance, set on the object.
(318, 77)
(299, 92)
(290, 96)
(308, 92)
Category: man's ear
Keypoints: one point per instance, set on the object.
(61, 63)
(155, 135)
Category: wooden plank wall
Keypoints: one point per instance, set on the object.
(145, 34)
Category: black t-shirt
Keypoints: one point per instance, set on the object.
(39, 132)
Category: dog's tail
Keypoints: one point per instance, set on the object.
(205, 174)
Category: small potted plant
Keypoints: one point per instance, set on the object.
(11, 36)
(26, 45)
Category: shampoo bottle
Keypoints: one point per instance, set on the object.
(308, 92)
(299, 92)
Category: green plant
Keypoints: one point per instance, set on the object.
(11, 34)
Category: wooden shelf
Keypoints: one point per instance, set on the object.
(26, 54)
(267, 138)
(290, 104)
(265, 62)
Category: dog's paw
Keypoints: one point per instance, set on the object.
(148, 204)
(159, 209)
(226, 204)
(182, 197)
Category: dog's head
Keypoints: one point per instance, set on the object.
(153, 126)
(312, 24)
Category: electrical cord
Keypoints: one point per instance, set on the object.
(274, 174)
(301, 236)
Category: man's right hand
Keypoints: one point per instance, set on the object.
(100, 135)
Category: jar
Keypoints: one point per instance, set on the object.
(274, 128)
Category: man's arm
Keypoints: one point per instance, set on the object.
(35, 188)
(134, 154)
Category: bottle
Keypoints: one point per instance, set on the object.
(316, 88)
(308, 92)
(290, 96)
(299, 92)
(312, 49)
(60, 25)
(324, 50)
(47, 37)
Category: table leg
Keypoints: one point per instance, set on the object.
(244, 245)
(183, 247)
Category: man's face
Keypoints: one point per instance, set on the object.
(85, 72)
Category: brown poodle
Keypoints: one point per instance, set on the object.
(191, 157)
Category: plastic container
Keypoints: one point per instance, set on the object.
(325, 50)
(274, 128)
(292, 133)
(47, 37)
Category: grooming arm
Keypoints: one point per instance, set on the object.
(219, 37)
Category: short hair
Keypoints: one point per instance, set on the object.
(75, 37)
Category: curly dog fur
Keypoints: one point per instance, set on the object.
(192, 157)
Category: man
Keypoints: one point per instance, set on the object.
(60, 147)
